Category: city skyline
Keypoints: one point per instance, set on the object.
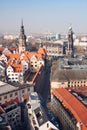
(43, 16)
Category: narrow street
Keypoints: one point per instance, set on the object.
(45, 92)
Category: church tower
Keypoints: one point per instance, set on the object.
(22, 39)
(70, 49)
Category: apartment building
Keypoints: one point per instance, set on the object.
(3, 120)
(13, 112)
(37, 114)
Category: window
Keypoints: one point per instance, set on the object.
(10, 95)
(39, 114)
(31, 65)
(16, 93)
(47, 125)
(22, 91)
(5, 97)
(36, 128)
(28, 89)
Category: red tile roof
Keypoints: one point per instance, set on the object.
(1, 110)
(42, 51)
(16, 56)
(73, 104)
(11, 102)
(17, 67)
(81, 90)
(2, 49)
(28, 55)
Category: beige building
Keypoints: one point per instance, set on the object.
(54, 49)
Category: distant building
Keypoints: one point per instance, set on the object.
(70, 49)
(69, 110)
(54, 50)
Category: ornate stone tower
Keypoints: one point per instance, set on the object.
(22, 39)
(70, 49)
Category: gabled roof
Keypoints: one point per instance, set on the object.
(16, 56)
(73, 104)
(2, 49)
(17, 67)
(31, 54)
(42, 51)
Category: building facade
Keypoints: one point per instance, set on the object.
(54, 49)
(13, 113)
(19, 91)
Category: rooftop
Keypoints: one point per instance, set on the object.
(41, 116)
(81, 90)
(73, 104)
(5, 87)
(69, 70)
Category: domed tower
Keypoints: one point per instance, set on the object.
(22, 39)
(70, 43)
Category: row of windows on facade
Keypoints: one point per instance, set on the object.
(12, 74)
(14, 123)
(12, 115)
(76, 82)
(54, 52)
(16, 94)
(56, 49)
(12, 71)
(12, 78)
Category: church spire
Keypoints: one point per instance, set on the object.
(22, 39)
(21, 22)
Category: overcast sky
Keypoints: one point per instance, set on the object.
(41, 16)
